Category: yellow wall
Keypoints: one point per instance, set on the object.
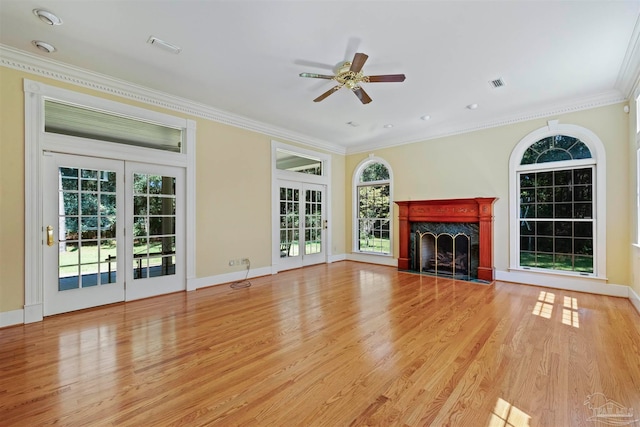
(477, 165)
(233, 187)
(11, 191)
(634, 254)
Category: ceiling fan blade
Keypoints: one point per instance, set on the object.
(358, 62)
(362, 95)
(387, 78)
(317, 76)
(327, 93)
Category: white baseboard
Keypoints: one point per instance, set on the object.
(203, 282)
(336, 258)
(569, 283)
(635, 299)
(373, 259)
(10, 318)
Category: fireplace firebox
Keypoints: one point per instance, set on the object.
(447, 237)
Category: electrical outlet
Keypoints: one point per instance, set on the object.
(232, 262)
(245, 261)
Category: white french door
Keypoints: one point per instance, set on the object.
(302, 224)
(112, 231)
(83, 244)
(155, 230)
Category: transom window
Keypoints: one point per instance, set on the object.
(373, 208)
(556, 205)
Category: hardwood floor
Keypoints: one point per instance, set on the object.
(330, 345)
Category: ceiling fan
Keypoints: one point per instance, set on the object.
(349, 75)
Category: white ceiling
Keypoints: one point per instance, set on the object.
(244, 57)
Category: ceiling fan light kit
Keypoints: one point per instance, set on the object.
(350, 75)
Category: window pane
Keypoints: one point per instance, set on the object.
(544, 228)
(563, 228)
(582, 176)
(294, 162)
(564, 199)
(87, 123)
(527, 180)
(562, 177)
(584, 229)
(528, 211)
(544, 179)
(564, 246)
(553, 156)
(544, 211)
(582, 210)
(563, 194)
(554, 149)
(374, 172)
(580, 151)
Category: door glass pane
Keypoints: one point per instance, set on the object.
(86, 227)
(154, 210)
(289, 222)
(313, 222)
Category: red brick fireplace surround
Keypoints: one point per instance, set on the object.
(477, 210)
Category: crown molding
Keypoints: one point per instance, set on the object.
(628, 76)
(599, 100)
(26, 62)
(626, 83)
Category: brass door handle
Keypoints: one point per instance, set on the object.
(49, 235)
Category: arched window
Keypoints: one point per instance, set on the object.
(557, 201)
(372, 207)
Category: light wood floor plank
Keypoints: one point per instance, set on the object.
(346, 344)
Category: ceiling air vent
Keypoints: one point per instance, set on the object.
(497, 83)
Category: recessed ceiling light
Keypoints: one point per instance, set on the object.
(388, 126)
(47, 17)
(44, 47)
(472, 106)
(425, 117)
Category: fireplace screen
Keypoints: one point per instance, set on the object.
(444, 254)
(449, 250)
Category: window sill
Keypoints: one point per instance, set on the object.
(559, 274)
(371, 253)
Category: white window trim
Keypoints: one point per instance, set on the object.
(277, 174)
(37, 141)
(355, 184)
(598, 153)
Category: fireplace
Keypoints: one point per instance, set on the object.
(447, 237)
(444, 249)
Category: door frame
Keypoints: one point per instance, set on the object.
(37, 141)
(284, 175)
